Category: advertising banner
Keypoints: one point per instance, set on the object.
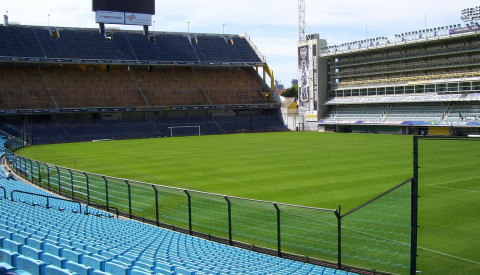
(138, 19)
(110, 17)
(303, 79)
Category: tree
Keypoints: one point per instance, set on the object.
(291, 92)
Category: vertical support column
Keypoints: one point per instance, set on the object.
(129, 198)
(230, 239)
(189, 211)
(31, 170)
(157, 213)
(106, 192)
(414, 209)
(339, 237)
(88, 188)
(71, 181)
(279, 233)
(59, 180)
(48, 178)
(39, 174)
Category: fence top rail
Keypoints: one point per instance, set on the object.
(174, 188)
(377, 197)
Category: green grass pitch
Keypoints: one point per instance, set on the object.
(312, 169)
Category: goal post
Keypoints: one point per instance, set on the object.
(192, 130)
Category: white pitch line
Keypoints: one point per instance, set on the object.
(457, 189)
(451, 181)
(450, 256)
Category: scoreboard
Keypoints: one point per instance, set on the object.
(126, 12)
(129, 6)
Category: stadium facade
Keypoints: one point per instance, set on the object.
(74, 84)
(423, 82)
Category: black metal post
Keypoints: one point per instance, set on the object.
(31, 170)
(39, 174)
(339, 240)
(129, 198)
(156, 205)
(279, 235)
(189, 211)
(230, 239)
(59, 180)
(88, 188)
(48, 178)
(414, 209)
(106, 192)
(71, 181)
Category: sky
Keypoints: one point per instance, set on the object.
(271, 24)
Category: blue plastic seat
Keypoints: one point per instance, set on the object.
(95, 261)
(8, 257)
(31, 252)
(54, 270)
(117, 268)
(72, 255)
(34, 267)
(81, 269)
(12, 246)
(52, 249)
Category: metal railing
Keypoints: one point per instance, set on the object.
(355, 241)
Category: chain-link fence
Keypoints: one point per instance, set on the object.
(449, 205)
(375, 237)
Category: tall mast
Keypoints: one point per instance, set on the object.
(301, 21)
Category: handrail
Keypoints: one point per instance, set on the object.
(4, 192)
(44, 196)
(117, 212)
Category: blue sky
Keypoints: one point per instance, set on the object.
(272, 24)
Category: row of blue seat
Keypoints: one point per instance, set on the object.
(37, 240)
(74, 43)
(85, 244)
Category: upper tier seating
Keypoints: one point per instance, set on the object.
(88, 44)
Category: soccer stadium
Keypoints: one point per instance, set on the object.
(149, 152)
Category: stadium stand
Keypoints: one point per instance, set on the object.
(39, 240)
(418, 81)
(70, 84)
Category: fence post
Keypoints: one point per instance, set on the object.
(279, 235)
(189, 211)
(414, 209)
(71, 181)
(106, 192)
(129, 199)
(59, 180)
(31, 170)
(88, 188)
(39, 174)
(48, 177)
(230, 240)
(156, 204)
(339, 232)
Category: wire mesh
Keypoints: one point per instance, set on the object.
(377, 235)
(309, 231)
(449, 206)
(254, 223)
(209, 214)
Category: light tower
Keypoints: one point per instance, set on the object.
(471, 15)
(301, 21)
